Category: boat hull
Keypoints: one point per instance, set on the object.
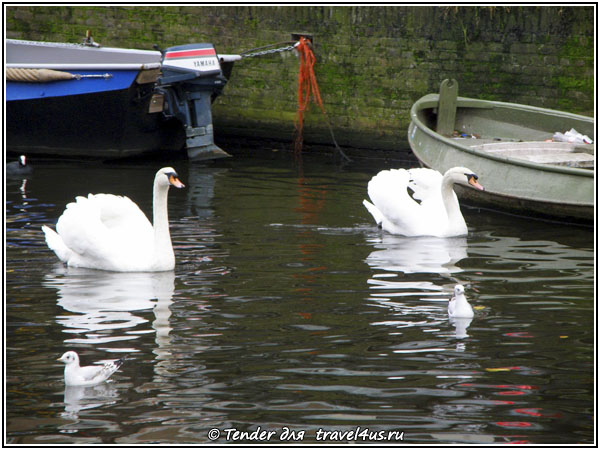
(105, 124)
(105, 111)
(512, 185)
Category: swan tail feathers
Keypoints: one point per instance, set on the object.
(377, 215)
(56, 244)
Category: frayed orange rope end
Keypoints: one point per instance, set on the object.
(307, 86)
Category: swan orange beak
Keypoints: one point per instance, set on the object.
(175, 181)
(473, 182)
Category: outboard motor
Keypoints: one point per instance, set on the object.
(191, 79)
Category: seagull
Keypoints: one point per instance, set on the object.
(458, 306)
(88, 375)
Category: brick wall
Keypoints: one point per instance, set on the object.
(372, 62)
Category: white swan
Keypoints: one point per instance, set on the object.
(109, 232)
(458, 306)
(419, 202)
(88, 375)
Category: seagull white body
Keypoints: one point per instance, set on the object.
(87, 375)
(458, 306)
(419, 202)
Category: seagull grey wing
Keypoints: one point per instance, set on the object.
(90, 373)
(109, 368)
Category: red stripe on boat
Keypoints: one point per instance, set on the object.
(191, 53)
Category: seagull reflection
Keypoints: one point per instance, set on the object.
(103, 302)
(78, 398)
(398, 254)
(418, 255)
(461, 324)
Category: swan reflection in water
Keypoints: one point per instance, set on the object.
(407, 255)
(103, 303)
(103, 307)
(417, 254)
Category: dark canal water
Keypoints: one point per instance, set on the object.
(289, 310)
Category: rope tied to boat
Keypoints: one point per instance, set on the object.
(268, 50)
(307, 85)
(46, 75)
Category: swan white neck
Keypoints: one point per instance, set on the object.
(162, 237)
(452, 207)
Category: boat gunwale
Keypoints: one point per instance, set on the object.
(21, 53)
(513, 197)
(91, 66)
(84, 47)
(432, 100)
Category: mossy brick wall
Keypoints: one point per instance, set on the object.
(372, 62)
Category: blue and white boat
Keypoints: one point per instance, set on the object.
(85, 100)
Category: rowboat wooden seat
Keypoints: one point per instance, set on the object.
(557, 153)
(582, 160)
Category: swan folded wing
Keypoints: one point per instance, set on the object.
(426, 185)
(119, 212)
(425, 182)
(387, 189)
(388, 192)
(103, 227)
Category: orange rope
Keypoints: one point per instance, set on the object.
(307, 85)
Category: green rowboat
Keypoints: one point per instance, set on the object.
(510, 148)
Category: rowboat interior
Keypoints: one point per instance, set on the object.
(508, 130)
(534, 161)
(555, 153)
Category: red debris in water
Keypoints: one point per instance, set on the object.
(517, 386)
(535, 412)
(519, 334)
(514, 424)
(529, 411)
